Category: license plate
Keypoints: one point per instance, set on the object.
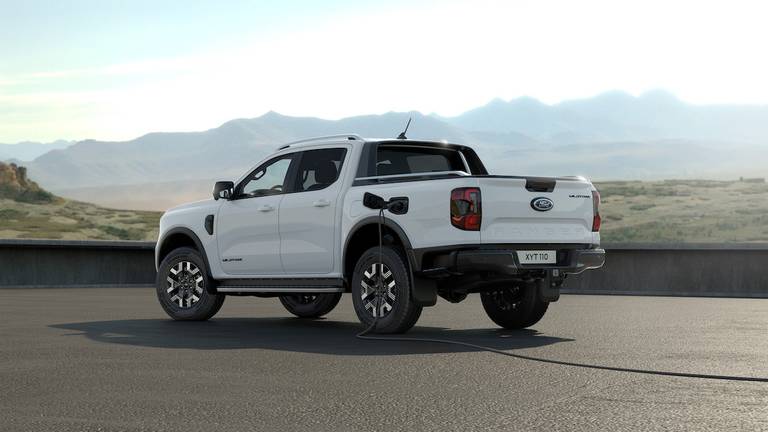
(537, 257)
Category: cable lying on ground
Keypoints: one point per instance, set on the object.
(564, 363)
(379, 292)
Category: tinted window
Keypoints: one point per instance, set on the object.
(268, 179)
(319, 169)
(394, 160)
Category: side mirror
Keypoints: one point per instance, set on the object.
(223, 189)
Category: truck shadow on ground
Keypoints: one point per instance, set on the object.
(293, 334)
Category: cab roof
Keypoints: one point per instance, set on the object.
(354, 138)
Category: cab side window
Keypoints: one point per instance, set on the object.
(319, 169)
(268, 179)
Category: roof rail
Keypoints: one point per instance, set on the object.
(351, 137)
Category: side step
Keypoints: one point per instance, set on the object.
(281, 285)
(279, 289)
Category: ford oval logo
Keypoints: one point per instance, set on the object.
(542, 204)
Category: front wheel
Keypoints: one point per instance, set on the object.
(382, 291)
(310, 305)
(181, 285)
(514, 307)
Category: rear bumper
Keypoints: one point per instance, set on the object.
(505, 261)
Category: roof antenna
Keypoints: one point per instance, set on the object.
(402, 134)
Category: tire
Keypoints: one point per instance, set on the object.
(514, 307)
(397, 312)
(310, 305)
(182, 278)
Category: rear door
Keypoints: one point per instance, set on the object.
(308, 215)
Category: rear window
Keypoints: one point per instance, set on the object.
(397, 160)
(319, 169)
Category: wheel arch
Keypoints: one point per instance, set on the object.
(176, 238)
(364, 234)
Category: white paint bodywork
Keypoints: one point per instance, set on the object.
(301, 239)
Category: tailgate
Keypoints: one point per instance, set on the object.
(509, 215)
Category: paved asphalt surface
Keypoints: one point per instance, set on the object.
(109, 359)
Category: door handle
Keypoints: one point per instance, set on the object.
(266, 208)
(321, 203)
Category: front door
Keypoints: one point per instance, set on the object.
(247, 226)
(308, 215)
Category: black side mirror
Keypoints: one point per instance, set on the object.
(223, 189)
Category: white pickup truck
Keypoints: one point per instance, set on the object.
(296, 227)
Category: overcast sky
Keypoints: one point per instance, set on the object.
(114, 70)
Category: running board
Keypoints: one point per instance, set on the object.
(281, 285)
(278, 289)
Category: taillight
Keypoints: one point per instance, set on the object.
(596, 220)
(466, 210)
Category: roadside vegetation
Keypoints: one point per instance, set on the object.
(28, 211)
(685, 211)
(73, 220)
(633, 211)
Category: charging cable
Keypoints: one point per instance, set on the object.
(380, 293)
(566, 363)
(379, 284)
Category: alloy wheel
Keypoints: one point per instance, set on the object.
(378, 299)
(184, 284)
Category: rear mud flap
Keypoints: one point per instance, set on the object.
(548, 288)
(424, 291)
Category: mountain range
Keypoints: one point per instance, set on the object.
(610, 136)
(618, 116)
(28, 150)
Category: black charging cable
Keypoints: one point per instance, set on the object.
(566, 363)
(379, 284)
(383, 205)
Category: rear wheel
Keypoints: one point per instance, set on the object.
(383, 292)
(310, 305)
(181, 285)
(514, 307)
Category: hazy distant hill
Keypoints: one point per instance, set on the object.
(27, 150)
(610, 136)
(618, 116)
(223, 152)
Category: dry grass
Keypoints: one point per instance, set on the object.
(684, 211)
(73, 220)
(633, 211)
